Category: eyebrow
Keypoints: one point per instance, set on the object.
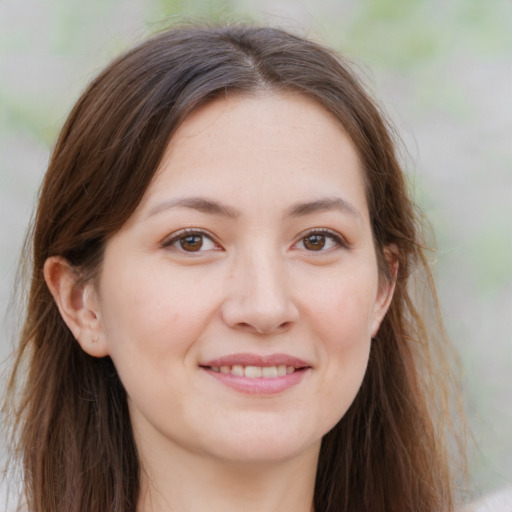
(212, 207)
(196, 203)
(323, 204)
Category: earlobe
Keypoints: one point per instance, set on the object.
(77, 305)
(386, 287)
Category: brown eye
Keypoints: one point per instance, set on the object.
(314, 242)
(321, 241)
(191, 243)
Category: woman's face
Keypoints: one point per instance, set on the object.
(239, 300)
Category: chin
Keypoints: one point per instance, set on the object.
(265, 452)
(257, 444)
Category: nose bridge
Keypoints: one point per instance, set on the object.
(259, 297)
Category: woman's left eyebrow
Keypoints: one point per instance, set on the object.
(323, 204)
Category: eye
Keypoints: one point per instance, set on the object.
(191, 241)
(320, 241)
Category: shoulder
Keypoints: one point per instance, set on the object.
(500, 501)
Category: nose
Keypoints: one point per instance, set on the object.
(259, 297)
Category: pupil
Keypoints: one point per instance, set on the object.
(314, 242)
(191, 243)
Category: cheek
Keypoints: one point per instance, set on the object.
(342, 320)
(343, 306)
(344, 373)
(151, 315)
(153, 322)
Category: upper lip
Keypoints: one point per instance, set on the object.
(257, 360)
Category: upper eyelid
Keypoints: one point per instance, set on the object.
(176, 235)
(324, 231)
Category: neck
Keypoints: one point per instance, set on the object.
(195, 484)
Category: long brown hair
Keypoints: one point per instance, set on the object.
(71, 422)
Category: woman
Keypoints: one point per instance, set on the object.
(220, 315)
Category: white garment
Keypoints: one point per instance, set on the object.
(500, 501)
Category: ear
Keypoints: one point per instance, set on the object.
(386, 288)
(77, 303)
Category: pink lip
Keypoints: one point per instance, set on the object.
(258, 386)
(257, 360)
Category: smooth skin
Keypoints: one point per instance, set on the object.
(277, 257)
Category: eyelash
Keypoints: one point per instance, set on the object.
(188, 233)
(338, 240)
(180, 236)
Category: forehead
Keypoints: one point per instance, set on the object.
(276, 120)
(259, 147)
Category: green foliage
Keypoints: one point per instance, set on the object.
(491, 254)
(407, 34)
(215, 10)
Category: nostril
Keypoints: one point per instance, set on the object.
(263, 329)
(251, 313)
(269, 329)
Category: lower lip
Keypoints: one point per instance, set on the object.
(259, 386)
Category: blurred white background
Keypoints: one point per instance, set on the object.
(443, 71)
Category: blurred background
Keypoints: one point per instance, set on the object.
(443, 71)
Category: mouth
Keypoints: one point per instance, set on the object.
(251, 373)
(255, 372)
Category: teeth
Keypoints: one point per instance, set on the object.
(281, 370)
(269, 372)
(255, 372)
(238, 370)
